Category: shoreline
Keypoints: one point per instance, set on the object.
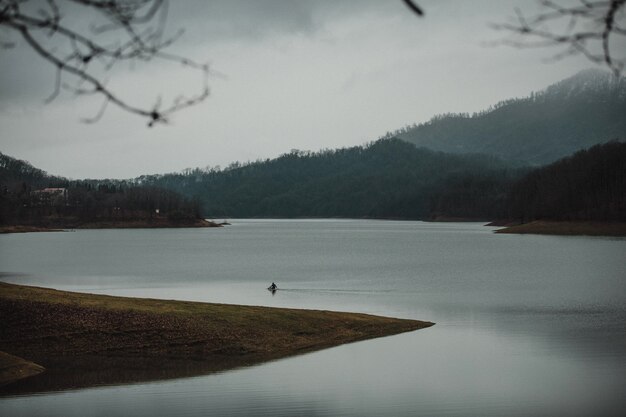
(27, 229)
(13, 368)
(64, 225)
(539, 227)
(85, 339)
(567, 228)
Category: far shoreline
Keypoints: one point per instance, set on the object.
(567, 228)
(538, 227)
(65, 225)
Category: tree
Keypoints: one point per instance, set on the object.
(594, 29)
(121, 31)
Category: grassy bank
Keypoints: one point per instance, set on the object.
(56, 225)
(91, 339)
(13, 368)
(541, 227)
(27, 229)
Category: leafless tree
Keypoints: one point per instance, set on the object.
(594, 29)
(121, 31)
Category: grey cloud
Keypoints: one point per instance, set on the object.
(25, 76)
(299, 74)
(249, 19)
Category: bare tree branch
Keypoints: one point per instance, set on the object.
(414, 7)
(594, 29)
(134, 30)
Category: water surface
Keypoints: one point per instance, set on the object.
(526, 325)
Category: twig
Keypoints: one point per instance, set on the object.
(590, 29)
(83, 51)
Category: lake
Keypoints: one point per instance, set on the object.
(525, 325)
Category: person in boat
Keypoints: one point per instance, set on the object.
(273, 287)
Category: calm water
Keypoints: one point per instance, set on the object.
(526, 325)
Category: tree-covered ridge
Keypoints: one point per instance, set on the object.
(393, 179)
(29, 196)
(14, 171)
(589, 185)
(574, 114)
(388, 178)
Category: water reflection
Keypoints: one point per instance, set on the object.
(71, 373)
(401, 376)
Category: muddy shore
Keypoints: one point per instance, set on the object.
(85, 339)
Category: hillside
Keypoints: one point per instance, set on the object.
(31, 200)
(391, 178)
(574, 114)
(386, 179)
(589, 186)
(14, 173)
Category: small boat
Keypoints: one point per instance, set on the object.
(272, 289)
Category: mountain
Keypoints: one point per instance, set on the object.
(385, 179)
(576, 113)
(391, 178)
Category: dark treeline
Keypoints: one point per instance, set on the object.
(393, 179)
(30, 196)
(386, 179)
(589, 185)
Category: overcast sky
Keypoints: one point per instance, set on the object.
(288, 75)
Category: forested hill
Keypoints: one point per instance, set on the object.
(389, 178)
(576, 113)
(386, 179)
(589, 185)
(15, 172)
(31, 197)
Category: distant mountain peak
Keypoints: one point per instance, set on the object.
(591, 82)
(578, 112)
(590, 73)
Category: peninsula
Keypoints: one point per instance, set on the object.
(85, 339)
